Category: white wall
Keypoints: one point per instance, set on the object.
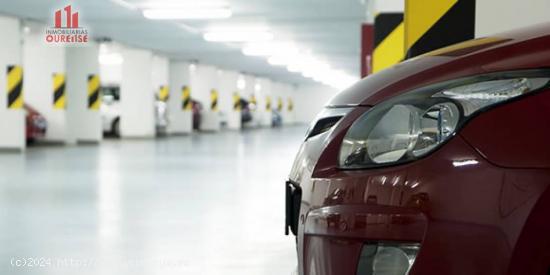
(40, 62)
(12, 122)
(493, 16)
(84, 124)
(389, 5)
(203, 80)
(309, 100)
(159, 72)
(136, 94)
(228, 85)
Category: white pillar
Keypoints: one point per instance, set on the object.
(83, 114)
(41, 62)
(137, 118)
(161, 92)
(288, 114)
(228, 87)
(181, 120)
(263, 96)
(12, 120)
(203, 80)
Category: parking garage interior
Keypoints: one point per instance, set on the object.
(156, 136)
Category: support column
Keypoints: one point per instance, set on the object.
(12, 115)
(137, 118)
(265, 102)
(180, 100)
(367, 47)
(45, 82)
(434, 24)
(83, 94)
(228, 89)
(205, 85)
(389, 44)
(161, 93)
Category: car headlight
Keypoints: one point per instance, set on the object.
(414, 124)
(387, 259)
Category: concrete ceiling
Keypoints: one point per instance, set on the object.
(329, 28)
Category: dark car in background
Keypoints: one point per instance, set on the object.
(197, 109)
(438, 165)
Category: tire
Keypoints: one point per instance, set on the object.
(115, 129)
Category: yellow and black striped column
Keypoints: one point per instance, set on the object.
(253, 100)
(186, 104)
(164, 93)
(236, 102)
(59, 97)
(389, 44)
(268, 103)
(290, 106)
(280, 104)
(15, 87)
(214, 100)
(433, 24)
(94, 98)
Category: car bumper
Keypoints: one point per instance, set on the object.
(466, 214)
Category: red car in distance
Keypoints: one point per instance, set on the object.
(36, 124)
(439, 165)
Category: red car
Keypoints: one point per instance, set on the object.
(439, 165)
(35, 124)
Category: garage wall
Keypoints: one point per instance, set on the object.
(40, 62)
(84, 124)
(12, 121)
(203, 80)
(159, 72)
(493, 16)
(136, 94)
(309, 100)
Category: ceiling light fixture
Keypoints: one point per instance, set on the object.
(238, 36)
(269, 49)
(191, 14)
(183, 4)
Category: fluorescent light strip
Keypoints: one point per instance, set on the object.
(238, 36)
(195, 14)
(202, 4)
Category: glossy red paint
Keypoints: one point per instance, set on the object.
(477, 205)
(35, 123)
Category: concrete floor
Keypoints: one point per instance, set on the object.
(200, 204)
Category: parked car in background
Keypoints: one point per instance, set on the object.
(161, 116)
(36, 124)
(438, 165)
(276, 119)
(197, 109)
(110, 112)
(246, 113)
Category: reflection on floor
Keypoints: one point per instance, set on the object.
(199, 204)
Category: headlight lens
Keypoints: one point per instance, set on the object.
(387, 259)
(414, 124)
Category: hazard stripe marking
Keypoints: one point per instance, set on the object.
(94, 100)
(447, 25)
(59, 101)
(389, 36)
(15, 87)
(186, 99)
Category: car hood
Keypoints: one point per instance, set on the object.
(521, 49)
